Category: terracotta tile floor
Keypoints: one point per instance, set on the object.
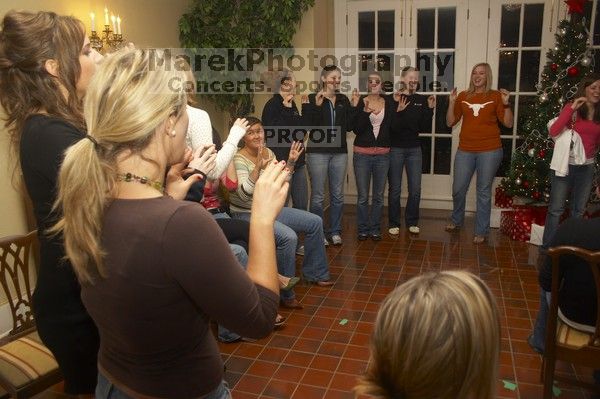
(324, 347)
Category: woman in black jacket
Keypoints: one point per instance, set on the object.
(371, 154)
(327, 151)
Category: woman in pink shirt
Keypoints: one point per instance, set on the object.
(585, 112)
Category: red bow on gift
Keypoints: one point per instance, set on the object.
(575, 6)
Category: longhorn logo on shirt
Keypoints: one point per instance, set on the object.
(477, 107)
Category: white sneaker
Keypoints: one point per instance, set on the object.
(336, 239)
(414, 229)
(394, 230)
(325, 242)
(300, 250)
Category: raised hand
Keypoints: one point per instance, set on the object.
(505, 96)
(453, 95)
(402, 104)
(175, 185)
(295, 151)
(578, 102)
(355, 97)
(270, 192)
(319, 98)
(397, 96)
(304, 99)
(287, 100)
(431, 101)
(204, 159)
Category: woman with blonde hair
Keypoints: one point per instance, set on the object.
(154, 269)
(436, 336)
(46, 63)
(479, 147)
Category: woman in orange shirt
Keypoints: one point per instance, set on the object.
(479, 148)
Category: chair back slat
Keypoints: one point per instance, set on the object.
(585, 354)
(15, 253)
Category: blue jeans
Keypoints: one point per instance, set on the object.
(539, 328)
(107, 390)
(579, 183)
(320, 167)
(286, 241)
(365, 167)
(412, 158)
(299, 188)
(466, 163)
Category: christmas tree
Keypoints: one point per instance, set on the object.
(568, 62)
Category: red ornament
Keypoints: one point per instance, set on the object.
(525, 184)
(542, 153)
(573, 71)
(536, 195)
(553, 67)
(575, 6)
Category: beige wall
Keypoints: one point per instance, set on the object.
(154, 24)
(146, 23)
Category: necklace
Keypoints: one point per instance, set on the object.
(130, 177)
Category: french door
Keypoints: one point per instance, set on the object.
(444, 39)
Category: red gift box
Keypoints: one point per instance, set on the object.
(517, 224)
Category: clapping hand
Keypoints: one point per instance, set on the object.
(175, 185)
(319, 97)
(355, 97)
(431, 101)
(578, 102)
(295, 151)
(402, 104)
(453, 95)
(505, 96)
(270, 192)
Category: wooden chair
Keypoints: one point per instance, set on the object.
(562, 341)
(27, 367)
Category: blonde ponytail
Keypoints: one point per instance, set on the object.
(127, 99)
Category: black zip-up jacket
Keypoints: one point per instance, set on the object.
(363, 128)
(330, 143)
(407, 124)
(577, 291)
(275, 114)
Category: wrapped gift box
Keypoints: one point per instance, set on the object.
(517, 223)
(537, 234)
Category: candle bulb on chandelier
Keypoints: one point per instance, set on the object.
(118, 25)
(93, 18)
(114, 23)
(106, 16)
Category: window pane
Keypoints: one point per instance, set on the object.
(530, 68)
(507, 70)
(446, 27)
(441, 107)
(587, 13)
(526, 106)
(445, 72)
(366, 30)
(505, 165)
(532, 24)
(426, 147)
(366, 65)
(443, 154)
(385, 30)
(425, 28)
(509, 31)
(425, 63)
(596, 37)
(385, 66)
